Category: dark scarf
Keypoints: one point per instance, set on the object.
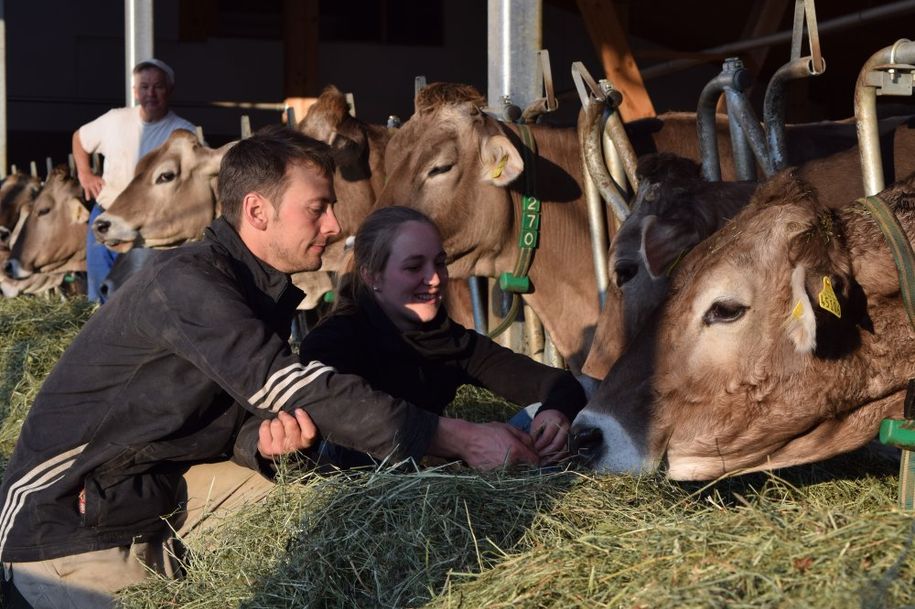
(439, 338)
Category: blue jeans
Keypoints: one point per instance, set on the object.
(99, 260)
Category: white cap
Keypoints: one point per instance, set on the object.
(157, 63)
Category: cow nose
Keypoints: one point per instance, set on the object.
(585, 442)
(9, 269)
(101, 226)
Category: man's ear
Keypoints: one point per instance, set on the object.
(256, 210)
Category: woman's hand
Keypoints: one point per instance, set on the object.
(483, 446)
(286, 434)
(549, 433)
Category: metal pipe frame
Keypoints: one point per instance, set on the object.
(774, 107)
(903, 52)
(740, 146)
(476, 301)
(732, 77)
(590, 129)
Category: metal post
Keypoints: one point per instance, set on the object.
(514, 38)
(479, 309)
(138, 39)
(245, 126)
(890, 81)
(740, 147)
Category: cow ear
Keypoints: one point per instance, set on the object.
(501, 161)
(801, 326)
(210, 164)
(664, 244)
(78, 212)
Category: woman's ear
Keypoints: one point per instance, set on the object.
(367, 277)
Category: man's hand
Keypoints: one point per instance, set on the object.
(483, 446)
(286, 434)
(91, 183)
(549, 432)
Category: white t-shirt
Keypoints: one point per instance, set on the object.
(124, 138)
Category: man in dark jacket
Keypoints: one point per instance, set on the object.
(187, 367)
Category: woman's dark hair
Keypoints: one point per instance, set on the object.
(371, 251)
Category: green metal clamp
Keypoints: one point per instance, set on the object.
(901, 434)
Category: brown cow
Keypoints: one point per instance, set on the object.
(684, 210)
(459, 166)
(358, 150)
(53, 237)
(170, 200)
(16, 195)
(784, 341)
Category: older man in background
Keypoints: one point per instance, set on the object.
(123, 136)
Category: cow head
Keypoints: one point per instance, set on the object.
(783, 341)
(16, 195)
(452, 162)
(673, 210)
(53, 236)
(170, 200)
(358, 150)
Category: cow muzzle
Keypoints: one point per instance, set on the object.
(13, 269)
(114, 233)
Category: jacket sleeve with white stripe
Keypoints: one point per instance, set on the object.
(206, 320)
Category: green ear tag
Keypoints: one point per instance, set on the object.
(828, 298)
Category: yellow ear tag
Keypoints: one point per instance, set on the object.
(828, 299)
(497, 170)
(798, 310)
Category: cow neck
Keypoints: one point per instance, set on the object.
(518, 282)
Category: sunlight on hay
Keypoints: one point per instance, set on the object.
(823, 535)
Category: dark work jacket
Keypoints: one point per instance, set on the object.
(178, 367)
(427, 365)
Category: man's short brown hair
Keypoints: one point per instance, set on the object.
(259, 164)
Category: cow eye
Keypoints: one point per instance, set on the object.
(440, 169)
(724, 312)
(625, 271)
(165, 176)
(43, 211)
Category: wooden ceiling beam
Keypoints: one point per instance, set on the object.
(612, 45)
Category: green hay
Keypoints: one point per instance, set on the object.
(823, 535)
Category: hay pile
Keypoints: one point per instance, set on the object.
(33, 334)
(825, 535)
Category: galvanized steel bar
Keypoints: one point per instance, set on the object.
(597, 226)
(774, 107)
(514, 38)
(138, 40)
(869, 80)
(740, 146)
(733, 77)
(590, 130)
(476, 301)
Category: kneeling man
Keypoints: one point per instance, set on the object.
(177, 394)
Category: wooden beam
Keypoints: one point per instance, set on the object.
(610, 41)
(300, 48)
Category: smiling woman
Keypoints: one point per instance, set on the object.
(390, 327)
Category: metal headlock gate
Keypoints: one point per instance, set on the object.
(889, 72)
